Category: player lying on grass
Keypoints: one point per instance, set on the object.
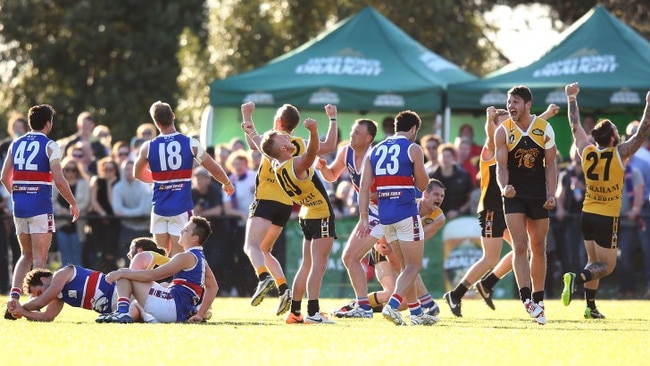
(73, 285)
(82, 287)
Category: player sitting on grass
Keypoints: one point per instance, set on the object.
(192, 280)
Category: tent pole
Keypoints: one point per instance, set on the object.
(447, 123)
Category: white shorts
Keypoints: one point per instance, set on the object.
(160, 304)
(41, 224)
(171, 225)
(408, 229)
(376, 230)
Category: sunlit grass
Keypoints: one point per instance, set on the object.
(239, 334)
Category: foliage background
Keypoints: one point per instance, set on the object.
(115, 58)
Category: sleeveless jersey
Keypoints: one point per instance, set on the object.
(32, 178)
(171, 160)
(490, 198)
(355, 177)
(266, 184)
(187, 286)
(309, 193)
(88, 289)
(432, 216)
(604, 172)
(157, 260)
(393, 169)
(526, 157)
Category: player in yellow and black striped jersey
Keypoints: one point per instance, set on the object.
(271, 208)
(151, 256)
(604, 167)
(491, 219)
(296, 176)
(527, 175)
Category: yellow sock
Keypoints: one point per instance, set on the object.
(372, 297)
(280, 281)
(261, 270)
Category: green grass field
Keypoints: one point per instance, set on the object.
(239, 334)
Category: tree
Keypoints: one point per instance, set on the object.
(251, 33)
(113, 58)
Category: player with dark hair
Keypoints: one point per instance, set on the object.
(604, 169)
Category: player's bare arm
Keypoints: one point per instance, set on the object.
(580, 137)
(333, 171)
(430, 229)
(367, 177)
(421, 178)
(331, 138)
(507, 190)
(141, 169)
(178, 263)
(303, 162)
(58, 281)
(551, 111)
(252, 137)
(629, 147)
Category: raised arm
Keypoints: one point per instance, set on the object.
(490, 127)
(580, 137)
(303, 162)
(629, 147)
(550, 112)
(331, 139)
(252, 137)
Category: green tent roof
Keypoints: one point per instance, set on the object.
(365, 63)
(609, 60)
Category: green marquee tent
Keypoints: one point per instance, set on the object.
(365, 63)
(608, 58)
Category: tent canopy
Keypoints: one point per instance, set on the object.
(365, 63)
(608, 58)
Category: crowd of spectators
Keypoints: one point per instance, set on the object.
(115, 207)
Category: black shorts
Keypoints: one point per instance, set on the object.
(493, 223)
(376, 257)
(273, 211)
(601, 229)
(318, 228)
(532, 207)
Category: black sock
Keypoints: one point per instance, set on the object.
(264, 275)
(538, 296)
(312, 307)
(283, 287)
(524, 293)
(295, 306)
(590, 297)
(489, 281)
(459, 292)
